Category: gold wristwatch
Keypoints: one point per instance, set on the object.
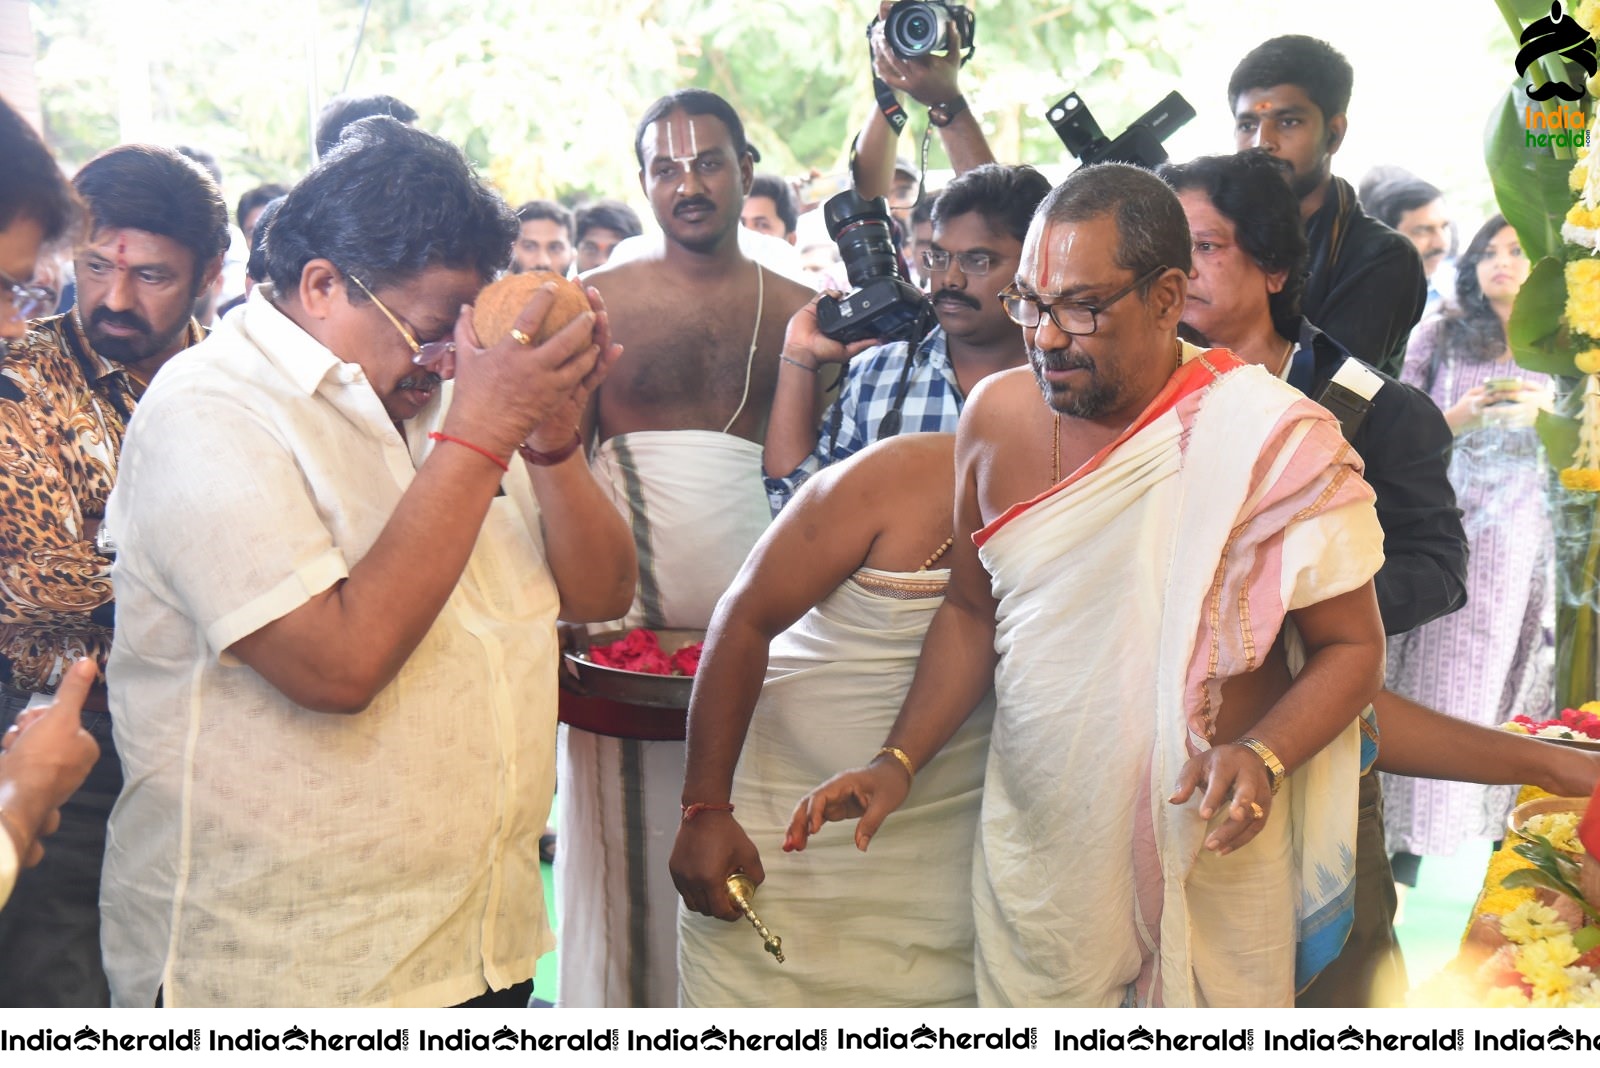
(1275, 770)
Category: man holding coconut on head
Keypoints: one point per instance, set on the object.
(337, 685)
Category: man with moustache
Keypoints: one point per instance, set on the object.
(1128, 557)
(1366, 287)
(678, 426)
(158, 228)
(979, 222)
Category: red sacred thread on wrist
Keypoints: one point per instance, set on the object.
(691, 811)
(479, 449)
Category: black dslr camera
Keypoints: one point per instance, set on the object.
(917, 27)
(882, 304)
(1140, 143)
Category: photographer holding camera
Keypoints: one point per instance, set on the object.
(978, 226)
(917, 50)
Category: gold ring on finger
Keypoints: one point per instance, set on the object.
(1257, 812)
(519, 337)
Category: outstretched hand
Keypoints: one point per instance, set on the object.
(870, 793)
(48, 754)
(1235, 778)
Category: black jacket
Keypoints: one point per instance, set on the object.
(1366, 288)
(1405, 444)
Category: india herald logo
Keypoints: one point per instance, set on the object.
(1559, 34)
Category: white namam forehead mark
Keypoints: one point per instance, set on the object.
(681, 137)
(1046, 255)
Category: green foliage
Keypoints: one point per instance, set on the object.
(1552, 870)
(1559, 435)
(1539, 339)
(1530, 184)
(545, 97)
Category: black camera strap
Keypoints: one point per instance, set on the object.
(890, 425)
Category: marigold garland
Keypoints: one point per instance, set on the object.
(1588, 14)
(1583, 296)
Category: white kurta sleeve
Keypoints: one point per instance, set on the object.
(219, 515)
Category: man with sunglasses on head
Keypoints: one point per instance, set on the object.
(979, 222)
(336, 688)
(68, 387)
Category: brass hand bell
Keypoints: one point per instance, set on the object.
(741, 890)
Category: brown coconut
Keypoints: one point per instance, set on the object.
(498, 306)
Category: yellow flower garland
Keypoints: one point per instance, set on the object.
(1583, 296)
(1585, 217)
(1588, 14)
(1584, 479)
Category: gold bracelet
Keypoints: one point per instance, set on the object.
(900, 755)
(9, 826)
(1275, 769)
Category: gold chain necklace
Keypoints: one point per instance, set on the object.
(1055, 452)
(1283, 361)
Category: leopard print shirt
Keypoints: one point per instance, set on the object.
(63, 409)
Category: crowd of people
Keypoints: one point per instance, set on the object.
(1096, 601)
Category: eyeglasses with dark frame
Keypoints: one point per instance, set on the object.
(26, 300)
(1081, 317)
(976, 264)
(426, 355)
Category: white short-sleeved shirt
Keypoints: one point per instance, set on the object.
(265, 854)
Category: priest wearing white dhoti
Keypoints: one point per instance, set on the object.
(1166, 570)
(679, 425)
(808, 659)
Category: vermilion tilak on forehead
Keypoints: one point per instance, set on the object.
(122, 253)
(1051, 259)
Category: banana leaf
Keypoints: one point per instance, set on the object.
(1539, 339)
(1530, 184)
(1559, 435)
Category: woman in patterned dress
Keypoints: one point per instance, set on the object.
(1493, 659)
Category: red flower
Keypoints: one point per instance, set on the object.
(639, 650)
(686, 661)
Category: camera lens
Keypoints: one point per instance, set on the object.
(914, 29)
(861, 230)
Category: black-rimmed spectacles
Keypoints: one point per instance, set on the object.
(1077, 317)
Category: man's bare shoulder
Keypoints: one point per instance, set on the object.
(787, 294)
(1001, 395)
(900, 460)
(889, 478)
(616, 277)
